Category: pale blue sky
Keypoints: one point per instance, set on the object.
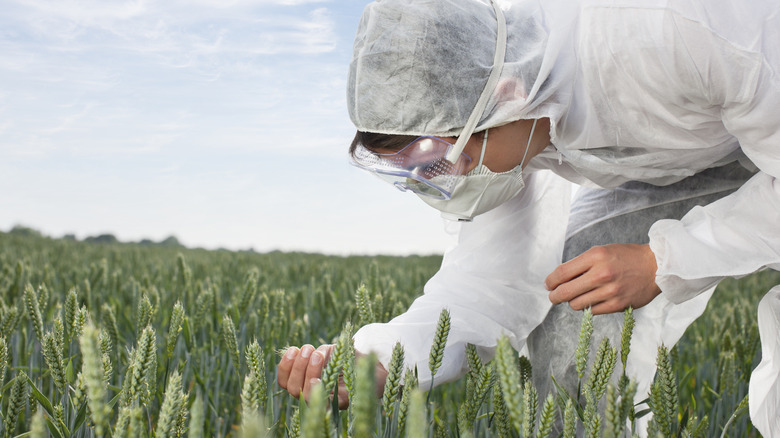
(220, 122)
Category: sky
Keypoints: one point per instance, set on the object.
(220, 122)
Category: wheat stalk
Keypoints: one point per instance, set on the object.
(202, 306)
(250, 394)
(314, 419)
(141, 375)
(613, 424)
(143, 315)
(109, 326)
(417, 424)
(547, 418)
(509, 375)
(363, 301)
(294, 430)
(81, 320)
(393, 381)
(330, 373)
(231, 342)
(250, 290)
(34, 311)
(3, 361)
(38, 427)
(174, 327)
(93, 374)
(52, 353)
(71, 308)
(15, 403)
(184, 273)
(365, 397)
(625, 336)
(196, 418)
(256, 364)
(569, 420)
(129, 423)
(410, 383)
(482, 382)
(58, 330)
(583, 346)
(10, 320)
(602, 368)
(439, 343)
(663, 394)
(253, 426)
(173, 400)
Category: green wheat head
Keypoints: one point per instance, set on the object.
(15, 403)
(439, 343)
(143, 315)
(313, 425)
(509, 376)
(393, 381)
(256, 364)
(174, 402)
(365, 309)
(94, 379)
(52, 353)
(34, 311)
(174, 327)
(228, 330)
(71, 308)
(364, 409)
(330, 374)
(625, 336)
(196, 418)
(3, 361)
(583, 346)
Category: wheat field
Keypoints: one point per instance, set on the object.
(132, 340)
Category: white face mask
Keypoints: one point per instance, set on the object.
(481, 189)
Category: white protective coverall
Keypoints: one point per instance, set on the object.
(652, 91)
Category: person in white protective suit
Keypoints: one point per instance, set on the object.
(666, 113)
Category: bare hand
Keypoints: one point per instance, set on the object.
(300, 369)
(606, 278)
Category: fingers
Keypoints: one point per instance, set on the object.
(572, 289)
(300, 368)
(606, 278)
(314, 370)
(292, 369)
(297, 377)
(568, 271)
(285, 366)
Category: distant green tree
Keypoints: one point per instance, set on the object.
(21, 230)
(103, 238)
(171, 241)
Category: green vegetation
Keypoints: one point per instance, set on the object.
(113, 339)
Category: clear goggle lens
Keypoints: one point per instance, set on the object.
(420, 166)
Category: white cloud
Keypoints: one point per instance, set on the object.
(199, 29)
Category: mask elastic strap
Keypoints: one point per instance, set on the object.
(484, 146)
(495, 75)
(528, 145)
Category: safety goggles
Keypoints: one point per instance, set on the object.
(421, 166)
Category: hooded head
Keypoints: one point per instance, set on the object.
(419, 66)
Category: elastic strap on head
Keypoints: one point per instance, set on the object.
(484, 146)
(495, 75)
(528, 145)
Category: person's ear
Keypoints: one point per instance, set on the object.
(510, 89)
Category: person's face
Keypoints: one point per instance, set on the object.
(506, 145)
